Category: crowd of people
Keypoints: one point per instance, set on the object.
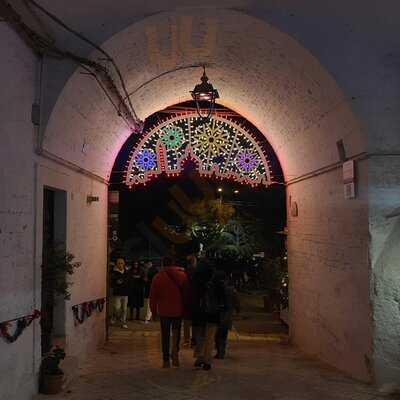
(130, 288)
(191, 292)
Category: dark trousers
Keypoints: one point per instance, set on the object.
(168, 324)
(204, 336)
(221, 338)
(137, 312)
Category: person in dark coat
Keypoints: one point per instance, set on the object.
(190, 267)
(150, 272)
(209, 301)
(136, 292)
(225, 324)
(120, 286)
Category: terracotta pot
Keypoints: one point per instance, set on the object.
(52, 384)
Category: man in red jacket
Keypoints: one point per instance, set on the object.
(167, 301)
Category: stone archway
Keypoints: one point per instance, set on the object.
(282, 89)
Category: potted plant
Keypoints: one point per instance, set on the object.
(57, 265)
(52, 376)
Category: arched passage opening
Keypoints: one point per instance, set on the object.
(206, 188)
(282, 89)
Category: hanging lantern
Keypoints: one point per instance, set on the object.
(204, 92)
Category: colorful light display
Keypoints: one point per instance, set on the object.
(172, 137)
(220, 147)
(145, 159)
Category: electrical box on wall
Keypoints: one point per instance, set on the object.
(349, 180)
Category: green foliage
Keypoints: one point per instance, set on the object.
(208, 221)
(222, 232)
(51, 362)
(235, 241)
(57, 265)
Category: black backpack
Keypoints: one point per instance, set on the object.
(212, 301)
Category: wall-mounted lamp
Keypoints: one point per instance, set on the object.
(90, 199)
(294, 209)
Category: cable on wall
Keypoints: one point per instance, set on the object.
(160, 76)
(44, 46)
(91, 43)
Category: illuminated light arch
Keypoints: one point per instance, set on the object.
(219, 147)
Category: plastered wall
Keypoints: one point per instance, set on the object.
(18, 292)
(330, 309)
(23, 176)
(87, 241)
(384, 252)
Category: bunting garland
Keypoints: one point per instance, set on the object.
(84, 310)
(81, 312)
(20, 325)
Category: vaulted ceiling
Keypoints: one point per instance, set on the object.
(296, 69)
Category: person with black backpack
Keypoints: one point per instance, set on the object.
(209, 302)
(225, 323)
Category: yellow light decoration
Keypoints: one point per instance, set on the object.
(211, 138)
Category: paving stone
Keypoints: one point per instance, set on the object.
(129, 367)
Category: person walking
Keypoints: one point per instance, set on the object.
(188, 338)
(166, 300)
(120, 285)
(136, 292)
(232, 304)
(150, 272)
(209, 302)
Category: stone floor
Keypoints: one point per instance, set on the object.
(128, 367)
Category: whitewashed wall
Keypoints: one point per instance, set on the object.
(384, 199)
(22, 179)
(330, 311)
(87, 241)
(18, 291)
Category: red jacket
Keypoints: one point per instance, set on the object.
(166, 298)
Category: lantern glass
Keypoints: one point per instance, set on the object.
(202, 93)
